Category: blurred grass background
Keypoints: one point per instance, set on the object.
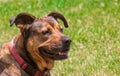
(94, 27)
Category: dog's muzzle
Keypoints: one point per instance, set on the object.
(56, 52)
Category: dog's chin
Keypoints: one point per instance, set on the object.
(55, 56)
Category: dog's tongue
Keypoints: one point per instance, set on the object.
(63, 53)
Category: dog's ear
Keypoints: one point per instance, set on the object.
(22, 19)
(56, 15)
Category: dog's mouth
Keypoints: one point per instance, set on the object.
(58, 55)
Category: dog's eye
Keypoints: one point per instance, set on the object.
(61, 30)
(46, 32)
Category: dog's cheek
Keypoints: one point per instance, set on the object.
(32, 43)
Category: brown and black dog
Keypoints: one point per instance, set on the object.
(33, 52)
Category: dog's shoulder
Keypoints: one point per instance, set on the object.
(4, 50)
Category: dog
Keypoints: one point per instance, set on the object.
(32, 53)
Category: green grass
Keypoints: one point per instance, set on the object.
(94, 30)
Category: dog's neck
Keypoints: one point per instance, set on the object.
(18, 42)
(19, 46)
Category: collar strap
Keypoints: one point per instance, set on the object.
(25, 66)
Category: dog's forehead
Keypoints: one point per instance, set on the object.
(50, 20)
(46, 22)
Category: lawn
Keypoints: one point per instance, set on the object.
(94, 27)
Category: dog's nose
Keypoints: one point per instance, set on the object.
(66, 40)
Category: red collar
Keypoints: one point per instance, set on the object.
(24, 65)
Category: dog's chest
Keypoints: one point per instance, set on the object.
(8, 66)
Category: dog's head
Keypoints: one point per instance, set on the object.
(43, 36)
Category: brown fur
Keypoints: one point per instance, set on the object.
(38, 36)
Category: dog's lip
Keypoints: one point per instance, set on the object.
(63, 53)
(56, 55)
